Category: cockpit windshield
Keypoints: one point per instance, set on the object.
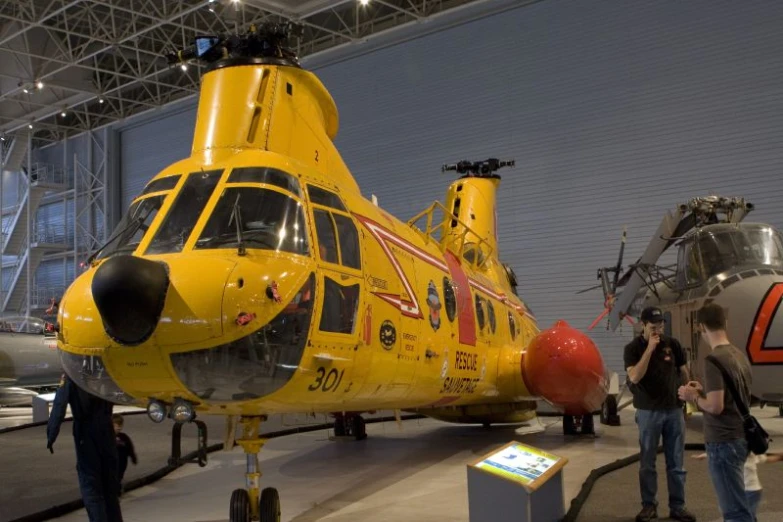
(746, 245)
(133, 226)
(260, 218)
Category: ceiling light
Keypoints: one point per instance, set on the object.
(184, 67)
(63, 114)
(364, 2)
(30, 126)
(100, 100)
(2, 138)
(26, 90)
(39, 84)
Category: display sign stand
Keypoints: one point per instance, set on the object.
(516, 483)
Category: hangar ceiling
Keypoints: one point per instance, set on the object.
(67, 66)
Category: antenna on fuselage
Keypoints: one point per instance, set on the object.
(478, 169)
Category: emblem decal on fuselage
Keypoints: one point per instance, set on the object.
(387, 334)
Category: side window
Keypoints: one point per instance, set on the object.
(340, 305)
(491, 316)
(327, 242)
(512, 326)
(688, 265)
(349, 241)
(480, 311)
(449, 299)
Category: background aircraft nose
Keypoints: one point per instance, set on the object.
(565, 367)
(129, 293)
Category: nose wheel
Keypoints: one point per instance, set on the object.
(248, 504)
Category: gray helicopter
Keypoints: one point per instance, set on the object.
(720, 259)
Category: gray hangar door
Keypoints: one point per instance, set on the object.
(147, 148)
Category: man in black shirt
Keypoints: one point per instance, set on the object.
(656, 367)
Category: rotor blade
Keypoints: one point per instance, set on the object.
(588, 289)
(619, 259)
(655, 248)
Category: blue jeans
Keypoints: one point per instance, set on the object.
(671, 425)
(726, 464)
(754, 499)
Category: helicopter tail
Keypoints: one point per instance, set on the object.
(610, 278)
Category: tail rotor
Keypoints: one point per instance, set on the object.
(609, 284)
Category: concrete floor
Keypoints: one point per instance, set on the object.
(413, 472)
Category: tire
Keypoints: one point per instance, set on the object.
(568, 425)
(339, 426)
(609, 411)
(240, 506)
(269, 505)
(359, 431)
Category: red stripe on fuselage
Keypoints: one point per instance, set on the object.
(467, 325)
(412, 308)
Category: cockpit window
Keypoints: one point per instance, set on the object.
(179, 222)
(133, 226)
(266, 175)
(261, 218)
(324, 197)
(161, 184)
(745, 245)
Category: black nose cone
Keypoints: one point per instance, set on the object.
(130, 292)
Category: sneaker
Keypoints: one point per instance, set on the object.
(682, 515)
(647, 514)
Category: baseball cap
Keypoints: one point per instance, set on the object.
(652, 314)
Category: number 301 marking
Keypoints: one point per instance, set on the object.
(327, 381)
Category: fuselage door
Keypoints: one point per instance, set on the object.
(338, 318)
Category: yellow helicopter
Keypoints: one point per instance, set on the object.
(253, 278)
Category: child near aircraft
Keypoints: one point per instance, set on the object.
(753, 486)
(124, 447)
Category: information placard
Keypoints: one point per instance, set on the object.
(521, 463)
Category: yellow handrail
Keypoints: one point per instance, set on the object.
(429, 234)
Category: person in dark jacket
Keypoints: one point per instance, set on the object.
(125, 449)
(96, 451)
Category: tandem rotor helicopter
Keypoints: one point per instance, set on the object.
(253, 278)
(720, 259)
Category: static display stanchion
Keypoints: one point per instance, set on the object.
(516, 483)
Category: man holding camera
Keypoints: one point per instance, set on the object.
(656, 367)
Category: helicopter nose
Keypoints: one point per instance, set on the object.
(129, 293)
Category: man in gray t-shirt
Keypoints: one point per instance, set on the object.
(724, 435)
(727, 425)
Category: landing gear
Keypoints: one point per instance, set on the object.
(578, 425)
(247, 504)
(609, 415)
(349, 425)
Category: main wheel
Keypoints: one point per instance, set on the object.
(358, 427)
(339, 426)
(588, 428)
(568, 425)
(240, 506)
(269, 505)
(609, 411)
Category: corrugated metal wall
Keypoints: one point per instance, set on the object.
(146, 148)
(614, 112)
